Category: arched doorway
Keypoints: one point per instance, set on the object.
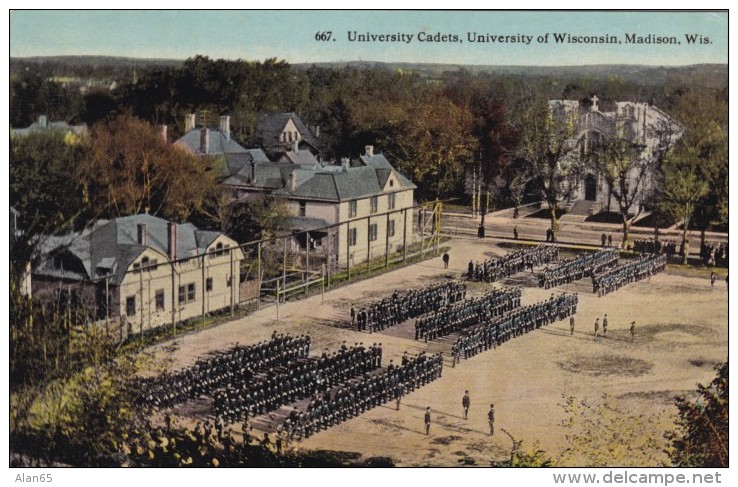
(590, 187)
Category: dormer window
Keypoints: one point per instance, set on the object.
(102, 271)
(220, 249)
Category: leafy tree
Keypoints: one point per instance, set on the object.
(701, 439)
(628, 169)
(524, 458)
(129, 169)
(603, 434)
(256, 217)
(33, 94)
(682, 189)
(432, 146)
(496, 145)
(45, 200)
(704, 115)
(546, 144)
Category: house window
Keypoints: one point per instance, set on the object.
(352, 208)
(229, 280)
(391, 228)
(160, 300)
(209, 284)
(303, 206)
(187, 293)
(131, 306)
(191, 292)
(353, 234)
(391, 201)
(144, 262)
(373, 204)
(136, 267)
(372, 232)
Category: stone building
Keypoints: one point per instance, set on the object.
(649, 129)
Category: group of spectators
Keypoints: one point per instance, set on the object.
(714, 253)
(655, 246)
(236, 365)
(295, 380)
(579, 267)
(613, 279)
(492, 270)
(519, 321)
(468, 313)
(400, 307)
(362, 394)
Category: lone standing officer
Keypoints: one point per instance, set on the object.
(571, 325)
(491, 419)
(597, 328)
(604, 326)
(632, 330)
(427, 420)
(466, 402)
(445, 260)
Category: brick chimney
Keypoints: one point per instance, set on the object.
(143, 238)
(317, 131)
(204, 140)
(293, 181)
(163, 131)
(225, 126)
(189, 122)
(172, 241)
(369, 149)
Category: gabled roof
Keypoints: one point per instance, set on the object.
(114, 244)
(218, 143)
(301, 157)
(236, 162)
(269, 126)
(343, 184)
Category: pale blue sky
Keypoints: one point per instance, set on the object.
(290, 35)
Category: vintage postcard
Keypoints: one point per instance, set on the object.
(369, 238)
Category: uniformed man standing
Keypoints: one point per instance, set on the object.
(466, 402)
(427, 420)
(491, 419)
(571, 326)
(604, 326)
(445, 260)
(246, 430)
(597, 328)
(632, 330)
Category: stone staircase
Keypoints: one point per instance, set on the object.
(578, 211)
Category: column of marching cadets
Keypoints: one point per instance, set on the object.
(576, 268)
(400, 307)
(641, 268)
(495, 269)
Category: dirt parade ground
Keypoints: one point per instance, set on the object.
(681, 333)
